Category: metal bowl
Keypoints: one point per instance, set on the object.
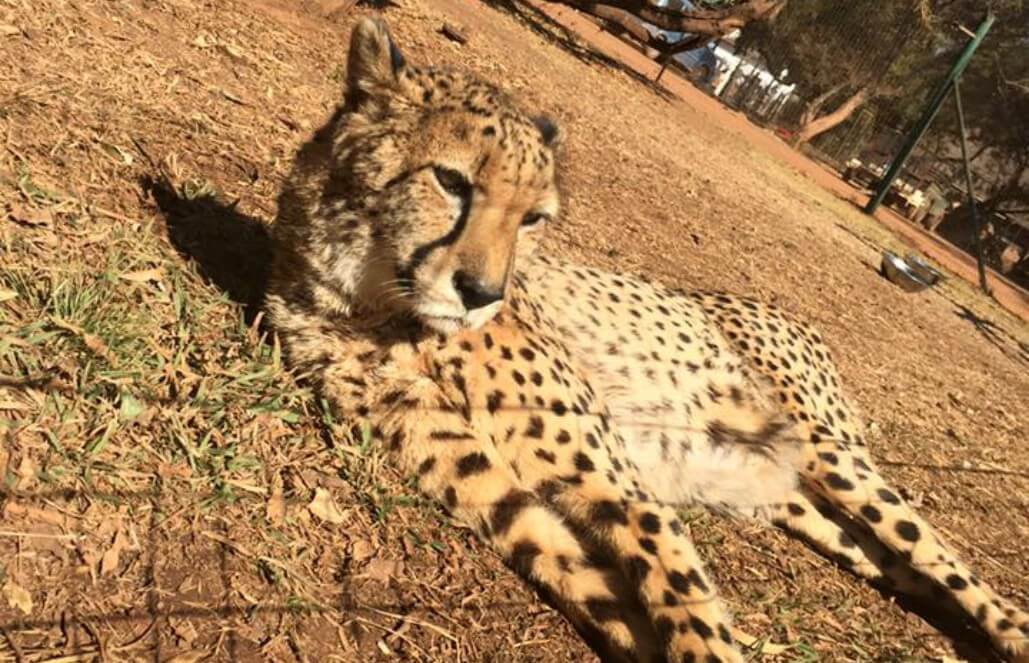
(922, 269)
(896, 270)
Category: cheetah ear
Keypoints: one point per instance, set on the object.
(551, 134)
(373, 62)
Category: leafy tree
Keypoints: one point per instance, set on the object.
(842, 52)
(845, 53)
(889, 57)
(995, 95)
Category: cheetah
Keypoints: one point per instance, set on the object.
(561, 412)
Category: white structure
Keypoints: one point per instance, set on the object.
(732, 62)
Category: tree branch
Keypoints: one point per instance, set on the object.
(978, 153)
(627, 22)
(683, 45)
(704, 24)
(830, 120)
(1022, 85)
(814, 107)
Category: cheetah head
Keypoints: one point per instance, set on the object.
(437, 184)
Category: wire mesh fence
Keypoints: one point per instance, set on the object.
(848, 82)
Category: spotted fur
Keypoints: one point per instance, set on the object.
(561, 412)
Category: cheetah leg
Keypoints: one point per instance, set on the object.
(834, 535)
(852, 485)
(646, 540)
(466, 473)
(680, 596)
(798, 369)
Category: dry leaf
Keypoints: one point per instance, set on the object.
(361, 550)
(325, 508)
(233, 51)
(169, 471)
(130, 407)
(232, 97)
(93, 342)
(17, 597)
(748, 641)
(184, 630)
(757, 618)
(14, 340)
(35, 514)
(31, 216)
(26, 473)
(109, 562)
(382, 569)
(249, 487)
(7, 295)
(144, 275)
(275, 509)
(454, 33)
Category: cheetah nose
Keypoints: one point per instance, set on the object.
(474, 293)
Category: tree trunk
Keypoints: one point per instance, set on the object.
(820, 125)
(814, 107)
(703, 24)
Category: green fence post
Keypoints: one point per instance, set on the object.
(930, 113)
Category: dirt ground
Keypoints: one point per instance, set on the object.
(169, 491)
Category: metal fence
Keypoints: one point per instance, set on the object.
(901, 60)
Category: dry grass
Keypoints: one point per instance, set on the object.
(170, 492)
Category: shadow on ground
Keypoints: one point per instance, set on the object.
(231, 250)
(993, 333)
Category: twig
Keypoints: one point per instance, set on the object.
(81, 657)
(33, 535)
(93, 631)
(392, 632)
(432, 627)
(18, 656)
(454, 34)
(136, 640)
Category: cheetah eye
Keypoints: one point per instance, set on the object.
(533, 219)
(452, 181)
